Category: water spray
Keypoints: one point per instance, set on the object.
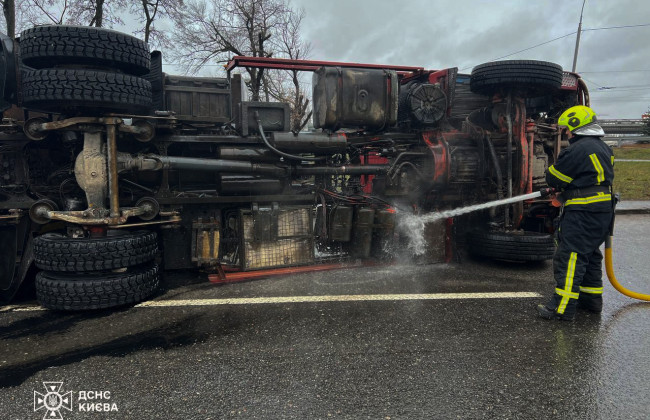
(413, 225)
(476, 207)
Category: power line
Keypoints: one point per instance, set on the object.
(526, 49)
(593, 83)
(616, 27)
(610, 89)
(622, 99)
(628, 86)
(564, 36)
(609, 98)
(615, 89)
(615, 71)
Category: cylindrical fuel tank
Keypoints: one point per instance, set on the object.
(362, 232)
(353, 97)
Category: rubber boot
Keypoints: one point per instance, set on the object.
(550, 313)
(590, 302)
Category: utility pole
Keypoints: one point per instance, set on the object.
(575, 54)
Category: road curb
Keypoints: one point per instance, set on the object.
(633, 211)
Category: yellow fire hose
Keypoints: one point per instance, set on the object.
(610, 272)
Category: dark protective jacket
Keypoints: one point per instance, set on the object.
(584, 171)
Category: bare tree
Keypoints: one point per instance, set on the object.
(41, 12)
(9, 11)
(100, 13)
(215, 30)
(91, 11)
(149, 11)
(291, 45)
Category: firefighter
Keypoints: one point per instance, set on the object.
(583, 175)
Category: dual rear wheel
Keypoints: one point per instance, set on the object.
(72, 70)
(76, 67)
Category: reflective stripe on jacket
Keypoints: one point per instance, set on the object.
(587, 162)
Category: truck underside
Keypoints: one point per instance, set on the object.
(110, 168)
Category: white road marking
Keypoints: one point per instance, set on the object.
(335, 298)
(21, 308)
(305, 299)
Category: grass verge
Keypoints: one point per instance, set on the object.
(632, 179)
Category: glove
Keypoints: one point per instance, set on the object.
(545, 192)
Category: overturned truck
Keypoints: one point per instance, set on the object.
(112, 171)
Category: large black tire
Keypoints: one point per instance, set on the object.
(55, 252)
(66, 89)
(156, 78)
(49, 46)
(515, 246)
(526, 77)
(97, 291)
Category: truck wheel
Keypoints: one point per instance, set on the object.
(65, 89)
(528, 77)
(96, 291)
(55, 252)
(49, 46)
(511, 246)
(156, 78)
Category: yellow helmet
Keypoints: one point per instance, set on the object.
(576, 117)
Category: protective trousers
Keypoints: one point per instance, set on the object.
(577, 264)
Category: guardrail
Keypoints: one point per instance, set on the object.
(618, 141)
(623, 126)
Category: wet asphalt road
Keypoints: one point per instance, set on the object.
(450, 358)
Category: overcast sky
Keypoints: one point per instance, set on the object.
(464, 33)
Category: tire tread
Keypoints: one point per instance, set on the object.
(61, 88)
(74, 293)
(45, 46)
(532, 76)
(55, 253)
(504, 246)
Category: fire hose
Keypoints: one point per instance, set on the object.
(610, 269)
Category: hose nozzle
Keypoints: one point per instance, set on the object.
(545, 192)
